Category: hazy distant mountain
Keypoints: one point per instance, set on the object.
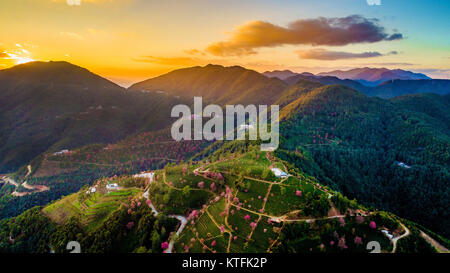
(280, 74)
(55, 105)
(374, 76)
(386, 90)
(327, 80)
(217, 84)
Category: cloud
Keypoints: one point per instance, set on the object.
(71, 35)
(317, 32)
(3, 54)
(73, 2)
(325, 55)
(194, 52)
(18, 56)
(171, 61)
(435, 73)
(79, 2)
(388, 64)
(373, 2)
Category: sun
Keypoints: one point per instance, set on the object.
(22, 60)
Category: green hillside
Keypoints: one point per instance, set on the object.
(66, 173)
(392, 155)
(229, 202)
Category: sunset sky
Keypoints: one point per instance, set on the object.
(130, 40)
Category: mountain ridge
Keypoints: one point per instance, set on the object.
(57, 105)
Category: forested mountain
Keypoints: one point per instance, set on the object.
(389, 154)
(396, 88)
(328, 80)
(217, 84)
(48, 106)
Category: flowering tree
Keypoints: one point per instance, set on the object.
(164, 245)
(130, 225)
(359, 219)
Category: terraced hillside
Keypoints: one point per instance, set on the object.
(229, 202)
(92, 207)
(65, 173)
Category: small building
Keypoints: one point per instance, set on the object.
(148, 175)
(65, 151)
(279, 173)
(112, 186)
(385, 232)
(91, 190)
(403, 165)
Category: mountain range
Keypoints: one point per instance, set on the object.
(50, 106)
(375, 76)
(380, 82)
(337, 136)
(366, 76)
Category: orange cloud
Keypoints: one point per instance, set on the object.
(194, 52)
(320, 31)
(3, 54)
(79, 2)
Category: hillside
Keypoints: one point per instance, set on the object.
(328, 80)
(66, 173)
(230, 203)
(217, 84)
(388, 154)
(49, 106)
(396, 88)
(295, 91)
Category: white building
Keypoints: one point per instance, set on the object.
(385, 232)
(65, 151)
(91, 190)
(403, 165)
(146, 175)
(279, 173)
(113, 186)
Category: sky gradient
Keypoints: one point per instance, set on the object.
(132, 40)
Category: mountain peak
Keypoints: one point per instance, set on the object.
(374, 76)
(280, 74)
(216, 83)
(55, 73)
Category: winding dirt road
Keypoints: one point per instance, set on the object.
(395, 239)
(181, 218)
